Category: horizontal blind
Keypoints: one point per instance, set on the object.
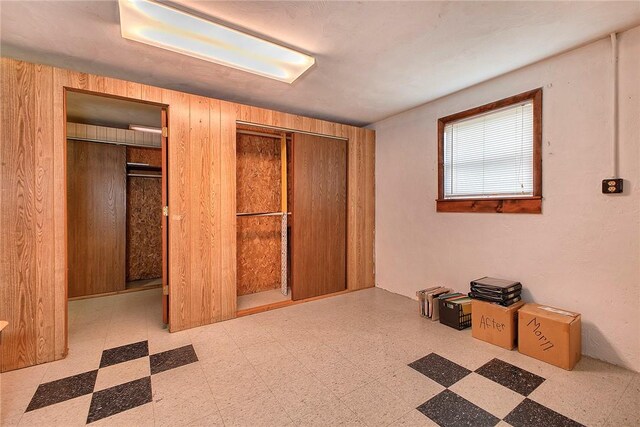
(490, 155)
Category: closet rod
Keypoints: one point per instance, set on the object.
(261, 213)
(143, 175)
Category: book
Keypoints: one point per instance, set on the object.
(449, 295)
(435, 307)
(509, 290)
(464, 303)
(491, 284)
(432, 307)
(492, 296)
(435, 297)
(457, 297)
(422, 297)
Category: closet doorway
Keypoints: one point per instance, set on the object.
(291, 198)
(116, 191)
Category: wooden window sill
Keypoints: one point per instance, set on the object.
(510, 205)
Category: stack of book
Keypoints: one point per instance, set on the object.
(500, 291)
(429, 307)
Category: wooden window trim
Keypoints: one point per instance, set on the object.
(532, 204)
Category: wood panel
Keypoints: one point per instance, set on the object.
(216, 309)
(96, 203)
(258, 189)
(200, 209)
(320, 206)
(144, 218)
(144, 229)
(229, 297)
(165, 219)
(45, 262)
(17, 223)
(179, 209)
(151, 156)
(27, 176)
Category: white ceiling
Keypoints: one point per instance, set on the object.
(374, 59)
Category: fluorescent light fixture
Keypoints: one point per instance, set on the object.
(158, 25)
(148, 129)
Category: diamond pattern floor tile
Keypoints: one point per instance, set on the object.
(124, 353)
(530, 413)
(441, 370)
(448, 409)
(62, 390)
(117, 399)
(171, 359)
(510, 376)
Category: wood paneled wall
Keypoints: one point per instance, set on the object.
(202, 203)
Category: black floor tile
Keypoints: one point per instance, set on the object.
(441, 370)
(117, 399)
(172, 359)
(530, 413)
(64, 389)
(512, 377)
(124, 353)
(447, 409)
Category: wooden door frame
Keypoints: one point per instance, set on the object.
(164, 148)
(271, 306)
(165, 179)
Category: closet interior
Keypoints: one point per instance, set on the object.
(291, 191)
(263, 223)
(114, 195)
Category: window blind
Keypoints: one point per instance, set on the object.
(490, 155)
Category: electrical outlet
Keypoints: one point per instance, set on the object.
(612, 186)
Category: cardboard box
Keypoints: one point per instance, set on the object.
(494, 323)
(550, 334)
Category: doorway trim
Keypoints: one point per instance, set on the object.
(165, 196)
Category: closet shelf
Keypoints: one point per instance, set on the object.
(143, 175)
(143, 167)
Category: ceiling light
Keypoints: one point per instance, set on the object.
(158, 25)
(148, 129)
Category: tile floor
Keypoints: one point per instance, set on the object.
(262, 298)
(364, 358)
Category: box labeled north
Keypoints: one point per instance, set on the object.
(550, 334)
(494, 323)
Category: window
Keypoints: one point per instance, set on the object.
(489, 157)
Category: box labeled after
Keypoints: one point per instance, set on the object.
(494, 323)
(550, 334)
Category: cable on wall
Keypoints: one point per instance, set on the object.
(614, 136)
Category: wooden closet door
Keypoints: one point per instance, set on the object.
(96, 217)
(319, 241)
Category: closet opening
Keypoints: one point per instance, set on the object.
(291, 199)
(263, 219)
(116, 227)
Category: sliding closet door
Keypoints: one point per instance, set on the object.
(96, 191)
(319, 251)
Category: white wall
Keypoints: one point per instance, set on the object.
(582, 253)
